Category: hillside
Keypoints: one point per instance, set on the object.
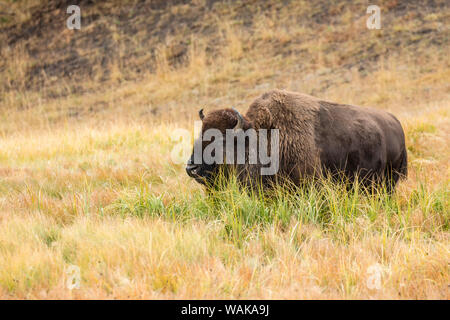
(224, 46)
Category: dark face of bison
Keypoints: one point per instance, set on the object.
(221, 120)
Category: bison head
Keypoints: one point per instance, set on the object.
(219, 120)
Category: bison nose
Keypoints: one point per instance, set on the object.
(192, 169)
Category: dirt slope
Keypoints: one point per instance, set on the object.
(127, 33)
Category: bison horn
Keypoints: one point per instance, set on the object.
(240, 120)
(200, 114)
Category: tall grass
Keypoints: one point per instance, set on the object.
(326, 203)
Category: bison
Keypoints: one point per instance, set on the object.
(316, 137)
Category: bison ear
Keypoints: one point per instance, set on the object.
(200, 114)
(240, 120)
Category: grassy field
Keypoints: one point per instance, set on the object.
(86, 177)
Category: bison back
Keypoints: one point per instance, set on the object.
(360, 141)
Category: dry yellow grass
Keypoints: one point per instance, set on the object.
(86, 179)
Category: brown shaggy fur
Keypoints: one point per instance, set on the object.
(317, 135)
